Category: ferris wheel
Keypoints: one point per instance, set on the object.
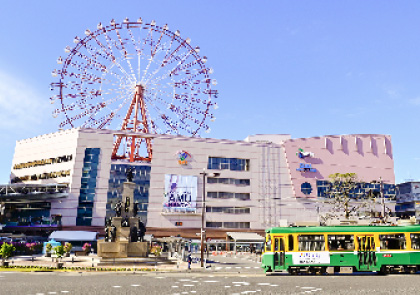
(134, 76)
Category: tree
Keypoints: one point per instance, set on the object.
(342, 197)
(6, 251)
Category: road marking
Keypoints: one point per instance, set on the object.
(175, 286)
(264, 284)
(238, 283)
(274, 285)
(188, 285)
(184, 280)
(308, 287)
(193, 291)
(135, 285)
(246, 292)
(211, 281)
(112, 287)
(227, 286)
(52, 292)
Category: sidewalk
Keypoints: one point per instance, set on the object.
(86, 263)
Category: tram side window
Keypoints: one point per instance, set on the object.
(415, 241)
(392, 242)
(341, 242)
(311, 243)
(291, 243)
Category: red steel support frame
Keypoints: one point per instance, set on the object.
(138, 105)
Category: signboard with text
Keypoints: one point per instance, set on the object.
(311, 258)
(180, 193)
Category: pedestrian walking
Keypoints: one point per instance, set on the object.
(189, 260)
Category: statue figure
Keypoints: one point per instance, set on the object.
(118, 208)
(129, 174)
(124, 222)
(133, 234)
(127, 204)
(135, 209)
(106, 234)
(141, 231)
(113, 231)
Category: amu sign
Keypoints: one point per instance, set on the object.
(180, 193)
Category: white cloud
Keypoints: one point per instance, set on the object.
(415, 101)
(20, 105)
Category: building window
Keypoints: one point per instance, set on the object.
(228, 195)
(233, 181)
(233, 164)
(229, 210)
(88, 187)
(306, 188)
(214, 224)
(360, 191)
(219, 224)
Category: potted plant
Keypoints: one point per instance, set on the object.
(67, 248)
(156, 250)
(59, 251)
(86, 247)
(6, 251)
(31, 247)
(48, 249)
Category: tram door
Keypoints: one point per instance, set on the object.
(279, 251)
(366, 251)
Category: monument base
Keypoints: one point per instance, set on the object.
(122, 249)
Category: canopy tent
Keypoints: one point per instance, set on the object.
(245, 237)
(70, 236)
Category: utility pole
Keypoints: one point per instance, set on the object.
(382, 199)
(203, 212)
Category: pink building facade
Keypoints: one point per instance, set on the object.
(311, 159)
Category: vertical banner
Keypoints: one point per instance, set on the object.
(180, 193)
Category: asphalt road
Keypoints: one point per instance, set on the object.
(203, 283)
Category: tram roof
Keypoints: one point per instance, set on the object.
(343, 229)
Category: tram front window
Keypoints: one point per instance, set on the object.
(268, 245)
(392, 242)
(341, 242)
(311, 243)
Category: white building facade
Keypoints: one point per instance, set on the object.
(257, 184)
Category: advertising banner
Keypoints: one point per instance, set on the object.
(311, 258)
(180, 193)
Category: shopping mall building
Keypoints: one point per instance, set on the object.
(262, 181)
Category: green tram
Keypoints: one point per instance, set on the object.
(330, 249)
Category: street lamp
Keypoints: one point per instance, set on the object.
(203, 211)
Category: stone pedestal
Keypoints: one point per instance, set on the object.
(123, 247)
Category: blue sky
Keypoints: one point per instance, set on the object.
(306, 68)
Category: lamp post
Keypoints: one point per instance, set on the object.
(203, 212)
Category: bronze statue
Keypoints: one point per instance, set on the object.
(129, 174)
(118, 208)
